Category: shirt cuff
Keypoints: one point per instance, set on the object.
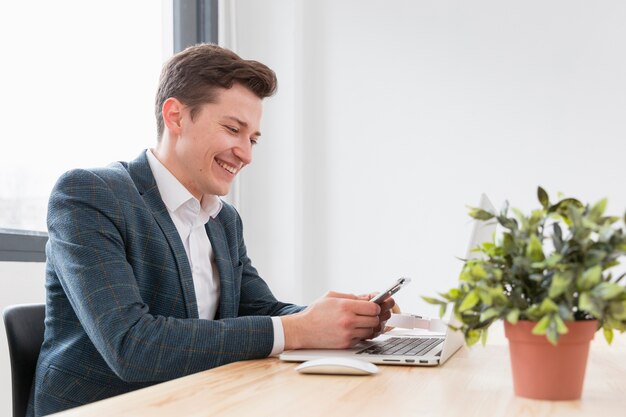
(279, 336)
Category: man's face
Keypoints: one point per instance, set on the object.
(212, 149)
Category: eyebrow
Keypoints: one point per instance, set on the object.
(244, 124)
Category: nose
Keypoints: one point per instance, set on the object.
(244, 152)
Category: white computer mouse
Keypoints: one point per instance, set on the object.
(337, 366)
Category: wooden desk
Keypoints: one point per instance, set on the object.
(474, 382)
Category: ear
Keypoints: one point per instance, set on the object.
(172, 113)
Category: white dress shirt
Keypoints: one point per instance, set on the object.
(189, 216)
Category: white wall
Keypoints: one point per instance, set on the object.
(392, 116)
(22, 283)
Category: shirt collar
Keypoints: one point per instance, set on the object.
(174, 194)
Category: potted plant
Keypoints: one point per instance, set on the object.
(549, 277)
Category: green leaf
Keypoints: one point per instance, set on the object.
(507, 222)
(553, 260)
(590, 304)
(597, 210)
(466, 275)
(483, 336)
(617, 309)
(616, 325)
(497, 274)
(595, 257)
(508, 244)
(471, 337)
(471, 299)
(575, 215)
(608, 334)
(454, 294)
(431, 300)
(535, 218)
(589, 278)
(606, 233)
(520, 217)
(608, 220)
(564, 204)
(552, 335)
(548, 306)
(442, 310)
(479, 272)
(513, 316)
(565, 311)
(485, 296)
(584, 301)
(534, 250)
(480, 214)
(451, 295)
(561, 328)
(539, 265)
(542, 326)
(543, 197)
(607, 290)
(560, 283)
(557, 237)
(489, 314)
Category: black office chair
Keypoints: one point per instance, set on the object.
(25, 327)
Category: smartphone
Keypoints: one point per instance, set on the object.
(401, 282)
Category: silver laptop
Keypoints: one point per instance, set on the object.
(420, 350)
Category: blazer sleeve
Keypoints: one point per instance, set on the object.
(86, 248)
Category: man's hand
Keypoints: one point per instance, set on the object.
(386, 308)
(335, 321)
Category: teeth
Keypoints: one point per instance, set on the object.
(229, 168)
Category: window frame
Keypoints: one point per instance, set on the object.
(195, 21)
(22, 245)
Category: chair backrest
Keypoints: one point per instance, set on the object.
(25, 327)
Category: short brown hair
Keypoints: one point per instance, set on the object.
(193, 76)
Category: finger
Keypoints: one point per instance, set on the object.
(388, 304)
(362, 308)
(384, 316)
(363, 333)
(368, 297)
(396, 309)
(335, 294)
(356, 340)
(363, 322)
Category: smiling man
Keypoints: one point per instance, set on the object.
(148, 277)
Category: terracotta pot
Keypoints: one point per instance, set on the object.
(545, 372)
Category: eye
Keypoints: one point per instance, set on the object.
(233, 130)
(254, 141)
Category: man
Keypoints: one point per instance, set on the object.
(147, 274)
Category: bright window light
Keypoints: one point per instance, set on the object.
(78, 80)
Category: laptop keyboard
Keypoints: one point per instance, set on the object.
(405, 346)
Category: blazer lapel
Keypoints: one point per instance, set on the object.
(225, 268)
(140, 172)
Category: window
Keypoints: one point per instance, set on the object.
(78, 81)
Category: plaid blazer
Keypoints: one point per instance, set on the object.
(121, 312)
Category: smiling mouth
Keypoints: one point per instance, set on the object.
(232, 169)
